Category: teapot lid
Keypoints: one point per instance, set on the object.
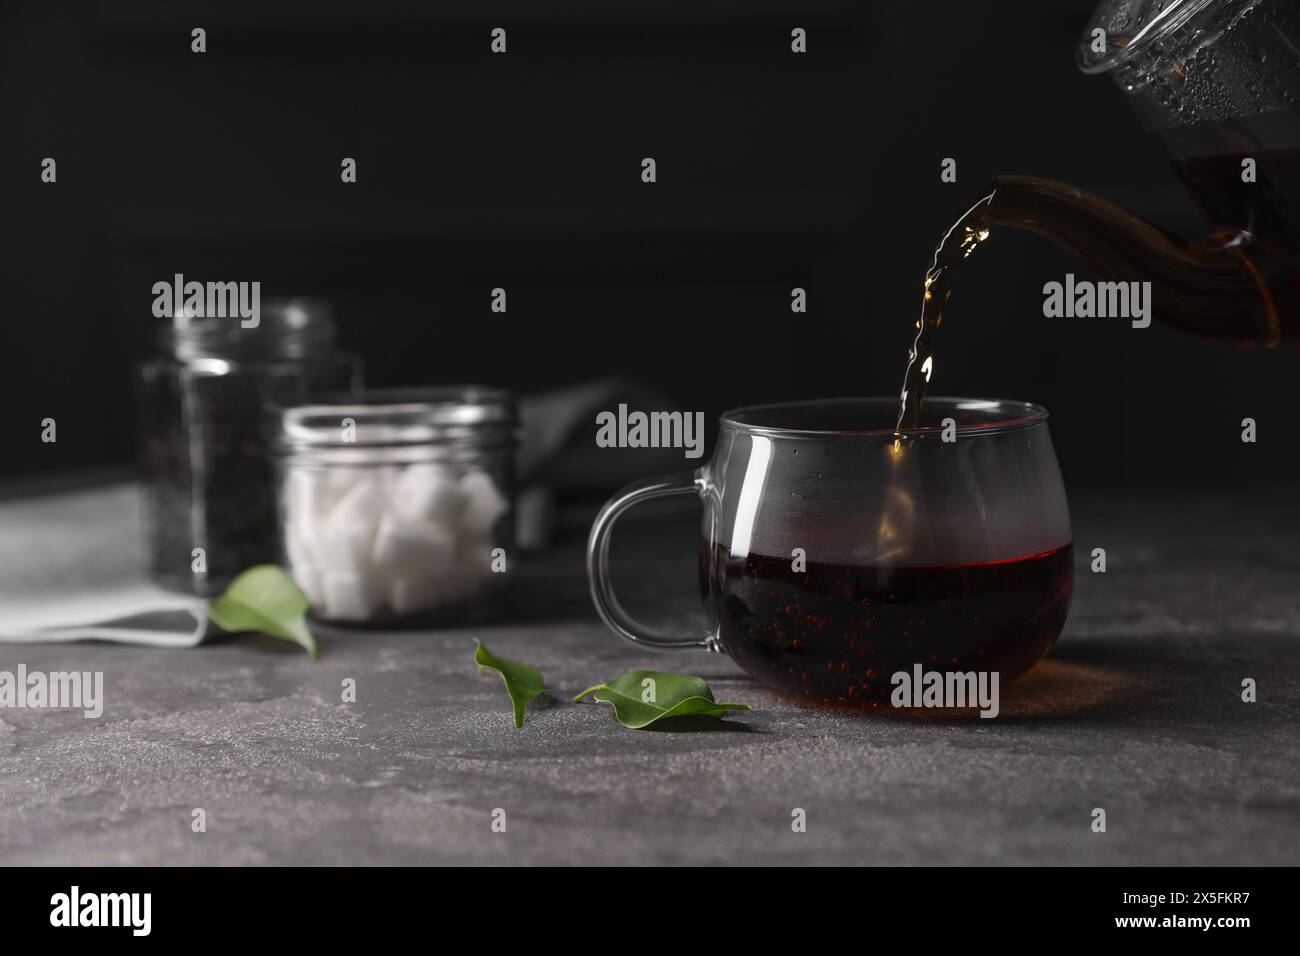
(1132, 28)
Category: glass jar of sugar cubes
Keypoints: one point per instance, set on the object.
(398, 504)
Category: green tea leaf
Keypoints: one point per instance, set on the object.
(264, 599)
(642, 698)
(523, 683)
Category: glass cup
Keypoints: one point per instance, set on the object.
(835, 552)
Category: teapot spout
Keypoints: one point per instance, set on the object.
(1230, 287)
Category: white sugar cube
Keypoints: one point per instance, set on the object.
(350, 597)
(310, 495)
(418, 591)
(309, 579)
(335, 482)
(428, 493)
(361, 504)
(343, 548)
(343, 540)
(387, 476)
(422, 546)
(302, 565)
(297, 495)
(484, 504)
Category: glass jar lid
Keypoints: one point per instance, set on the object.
(286, 328)
(465, 415)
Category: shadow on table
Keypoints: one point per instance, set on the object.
(705, 725)
(1092, 681)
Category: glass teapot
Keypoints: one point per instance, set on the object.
(1218, 81)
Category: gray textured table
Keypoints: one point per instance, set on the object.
(1138, 711)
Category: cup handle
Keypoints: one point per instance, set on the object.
(602, 588)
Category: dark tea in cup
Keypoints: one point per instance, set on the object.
(837, 633)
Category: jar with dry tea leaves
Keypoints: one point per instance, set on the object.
(202, 405)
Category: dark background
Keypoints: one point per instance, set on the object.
(523, 171)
